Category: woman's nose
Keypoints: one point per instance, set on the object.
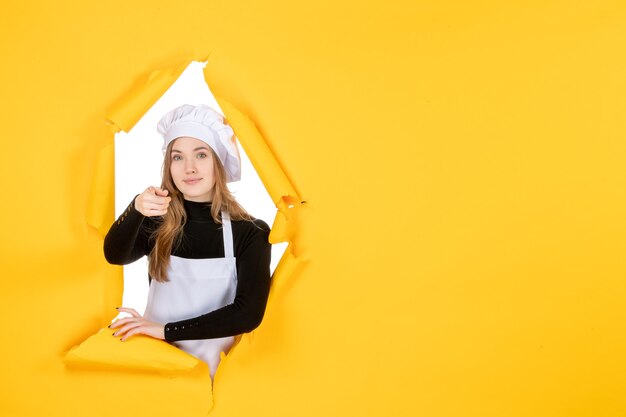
(190, 168)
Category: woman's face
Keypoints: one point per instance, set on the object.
(191, 167)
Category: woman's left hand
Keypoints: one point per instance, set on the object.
(136, 324)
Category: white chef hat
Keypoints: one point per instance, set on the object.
(203, 123)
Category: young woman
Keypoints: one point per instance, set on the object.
(209, 260)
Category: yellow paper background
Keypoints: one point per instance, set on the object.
(463, 167)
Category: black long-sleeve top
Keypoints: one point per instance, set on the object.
(130, 238)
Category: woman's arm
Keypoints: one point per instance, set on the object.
(126, 240)
(248, 308)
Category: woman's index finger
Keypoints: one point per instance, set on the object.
(131, 311)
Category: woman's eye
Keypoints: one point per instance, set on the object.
(176, 158)
(202, 155)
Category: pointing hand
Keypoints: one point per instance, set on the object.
(153, 202)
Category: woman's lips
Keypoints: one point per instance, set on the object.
(192, 181)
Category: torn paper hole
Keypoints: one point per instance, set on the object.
(129, 115)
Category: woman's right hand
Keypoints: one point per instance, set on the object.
(153, 202)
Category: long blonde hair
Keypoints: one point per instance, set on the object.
(170, 230)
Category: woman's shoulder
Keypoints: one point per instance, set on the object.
(255, 226)
(261, 224)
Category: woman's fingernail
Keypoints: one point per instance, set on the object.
(117, 308)
(114, 333)
(109, 326)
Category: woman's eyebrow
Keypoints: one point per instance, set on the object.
(197, 149)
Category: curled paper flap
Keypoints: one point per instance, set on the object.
(100, 204)
(287, 267)
(271, 174)
(143, 94)
(136, 353)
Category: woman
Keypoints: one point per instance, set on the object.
(209, 260)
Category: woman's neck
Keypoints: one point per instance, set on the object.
(197, 210)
